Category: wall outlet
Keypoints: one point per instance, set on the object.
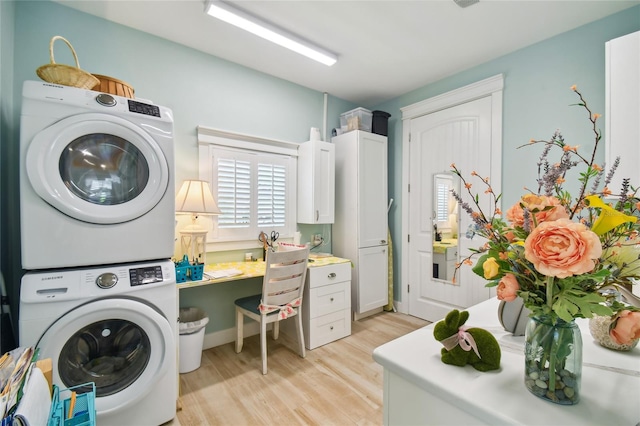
(317, 239)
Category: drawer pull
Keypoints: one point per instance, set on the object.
(331, 299)
(331, 328)
(332, 275)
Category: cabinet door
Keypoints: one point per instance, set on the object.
(316, 182)
(324, 185)
(373, 279)
(372, 190)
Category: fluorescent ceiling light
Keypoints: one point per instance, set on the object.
(240, 19)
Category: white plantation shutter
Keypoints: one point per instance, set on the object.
(234, 193)
(442, 203)
(272, 195)
(254, 188)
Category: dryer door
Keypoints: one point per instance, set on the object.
(97, 168)
(124, 346)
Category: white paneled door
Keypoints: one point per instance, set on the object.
(460, 135)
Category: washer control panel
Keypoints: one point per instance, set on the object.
(142, 108)
(145, 275)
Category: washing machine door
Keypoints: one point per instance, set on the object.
(122, 345)
(97, 168)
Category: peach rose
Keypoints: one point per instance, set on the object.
(562, 248)
(507, 288)
(515, 215)
(627, 327)
(490, 268)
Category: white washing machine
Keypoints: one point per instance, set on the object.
(96, 178)
(116, 326)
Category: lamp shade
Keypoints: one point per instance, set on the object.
(195, 197)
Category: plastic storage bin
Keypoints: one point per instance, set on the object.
(191, 327)
(356, 119)
(380, 123)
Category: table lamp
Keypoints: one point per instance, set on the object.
(194, 197)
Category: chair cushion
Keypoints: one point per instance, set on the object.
(250, 303)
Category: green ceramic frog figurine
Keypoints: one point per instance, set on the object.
(462, 345)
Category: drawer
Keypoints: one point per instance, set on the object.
(327, 328)
(329, 274)
(329, 298)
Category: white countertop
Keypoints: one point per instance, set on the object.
(610, 391)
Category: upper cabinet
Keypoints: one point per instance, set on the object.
(316, 182)
(622, 108)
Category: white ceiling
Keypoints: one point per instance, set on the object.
(386, 47)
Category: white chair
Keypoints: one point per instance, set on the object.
(281, 298)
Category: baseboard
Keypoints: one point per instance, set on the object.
(359, 316)
(222, 337)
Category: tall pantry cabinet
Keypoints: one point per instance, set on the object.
(360, 229)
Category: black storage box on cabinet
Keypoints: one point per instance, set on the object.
(380, 123)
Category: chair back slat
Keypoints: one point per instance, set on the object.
(284, 276)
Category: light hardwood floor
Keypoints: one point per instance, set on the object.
(336, 384)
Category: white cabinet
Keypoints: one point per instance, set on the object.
(622, 107)
(372, 290)
(326, 306)
(360, 230)
(316, 182)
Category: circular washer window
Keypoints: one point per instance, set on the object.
(110, 353)
(103, 169)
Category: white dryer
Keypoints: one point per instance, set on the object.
(96, 178)
(115, 326)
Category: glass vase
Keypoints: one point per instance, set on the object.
(553, 360)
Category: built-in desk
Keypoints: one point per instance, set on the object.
(248, 269)
(326, 310)
(253, 270)
(420, 389)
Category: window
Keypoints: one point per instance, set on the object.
(254, 183)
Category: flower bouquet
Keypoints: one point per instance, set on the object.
(565, 256)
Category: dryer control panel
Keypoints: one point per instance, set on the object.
(145, 275)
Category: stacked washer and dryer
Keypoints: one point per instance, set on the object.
(99, 294)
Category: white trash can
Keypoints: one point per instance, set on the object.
(191, 327)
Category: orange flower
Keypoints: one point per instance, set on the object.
(467, 185)
(515, 214)
(560, 181)
(626, 327)
(562, 248)
(508, 288)
(510, 236)
(503, 256)
(596, 167)
(574, 87)
(498, 211)
(596, 116)
(638, 205)
(606, 191)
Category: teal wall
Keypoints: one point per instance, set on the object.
(536, 102)
(205, 90)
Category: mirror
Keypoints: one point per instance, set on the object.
(445, 225)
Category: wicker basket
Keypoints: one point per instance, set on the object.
(65, 74)
(113, 86)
